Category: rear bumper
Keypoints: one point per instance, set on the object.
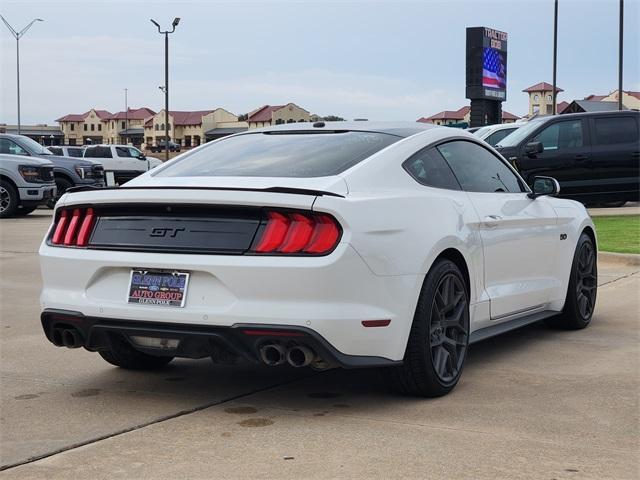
(198, 341)
(328, 297)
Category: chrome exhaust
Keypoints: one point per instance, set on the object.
(300, 356)
(71, 338)
(273, 354)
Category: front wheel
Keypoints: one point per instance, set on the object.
(439, 336)
(62, 185)
(583, 288)
(8, 199)
(123, 355)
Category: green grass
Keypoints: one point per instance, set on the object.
(618, 234)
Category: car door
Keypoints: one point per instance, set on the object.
(519, 234)
(566, 157)
(127, 162)
(616, 156)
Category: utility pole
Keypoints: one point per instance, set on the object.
(620, 47)
(555, 55)
(126, 116)
(166, 80)
(18, 36)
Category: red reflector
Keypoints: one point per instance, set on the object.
(325, 235)
(274, 233)
(70, 236)
(86, 228)
(272, 333)
(58, 234)
(375, 323)
(299, 233)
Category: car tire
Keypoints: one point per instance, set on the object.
(582, 289)
(439, 336)
(123, 355)
(23, 211)
(8, 199)
(62, 185)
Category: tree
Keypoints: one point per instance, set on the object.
(243, 117)
(333, 118)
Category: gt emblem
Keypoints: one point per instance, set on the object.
(563, 236)
(164, 232)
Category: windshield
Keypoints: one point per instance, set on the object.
(34, 147)
(520, 134)
(301, 155)
(482, 131)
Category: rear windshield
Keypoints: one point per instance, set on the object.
(280, 155)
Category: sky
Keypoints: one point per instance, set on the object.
(381, 60)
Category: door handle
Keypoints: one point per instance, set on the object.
(491, 221)
(580, 157)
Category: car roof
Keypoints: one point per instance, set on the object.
(400, 129)
(546, 118)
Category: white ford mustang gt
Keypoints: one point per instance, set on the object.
(338, 244)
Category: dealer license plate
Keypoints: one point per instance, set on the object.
(163, 288)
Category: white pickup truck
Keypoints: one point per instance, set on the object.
(121, 162)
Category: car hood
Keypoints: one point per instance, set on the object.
(6, 158)
(69, 162)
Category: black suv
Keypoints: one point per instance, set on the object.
(594, 156)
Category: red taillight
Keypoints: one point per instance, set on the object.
(274, 232)
(86, 228)
(298, 233)
(58, 234)
(74, 227)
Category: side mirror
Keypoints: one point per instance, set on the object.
(531, 149)
(544, 186)
(142, 156)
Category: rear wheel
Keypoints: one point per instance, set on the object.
(583, 288)
(439, 337)
(122, 354)
(8, 199)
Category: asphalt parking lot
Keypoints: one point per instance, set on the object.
(535, 403)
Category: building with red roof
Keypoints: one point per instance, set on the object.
(451, 117)
(277, 114)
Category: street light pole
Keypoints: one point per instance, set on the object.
(555, 55)
(18, 36)
(621, 27)
(166, 80)
(126, 116)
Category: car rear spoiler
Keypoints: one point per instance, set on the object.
(295, 191)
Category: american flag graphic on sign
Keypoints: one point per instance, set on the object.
(494, 71)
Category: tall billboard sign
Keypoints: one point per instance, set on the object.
(486, 72)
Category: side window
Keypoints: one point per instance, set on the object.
(561, 135)
(611, 130)
(123, 152)
(7, 146)
(495, 138)
(134, 152)
(429, 168)
(479, 170)
(98, 152)
(56, 150)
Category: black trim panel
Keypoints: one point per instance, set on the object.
(199, 341)
(500, 328)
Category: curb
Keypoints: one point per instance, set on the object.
(629, 259)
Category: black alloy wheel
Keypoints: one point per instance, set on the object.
(439, 336)
(448, 336)
(582, 291)
(587, 280)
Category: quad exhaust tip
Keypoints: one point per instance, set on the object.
(300, 356)
(66, 337)
(273, 354)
